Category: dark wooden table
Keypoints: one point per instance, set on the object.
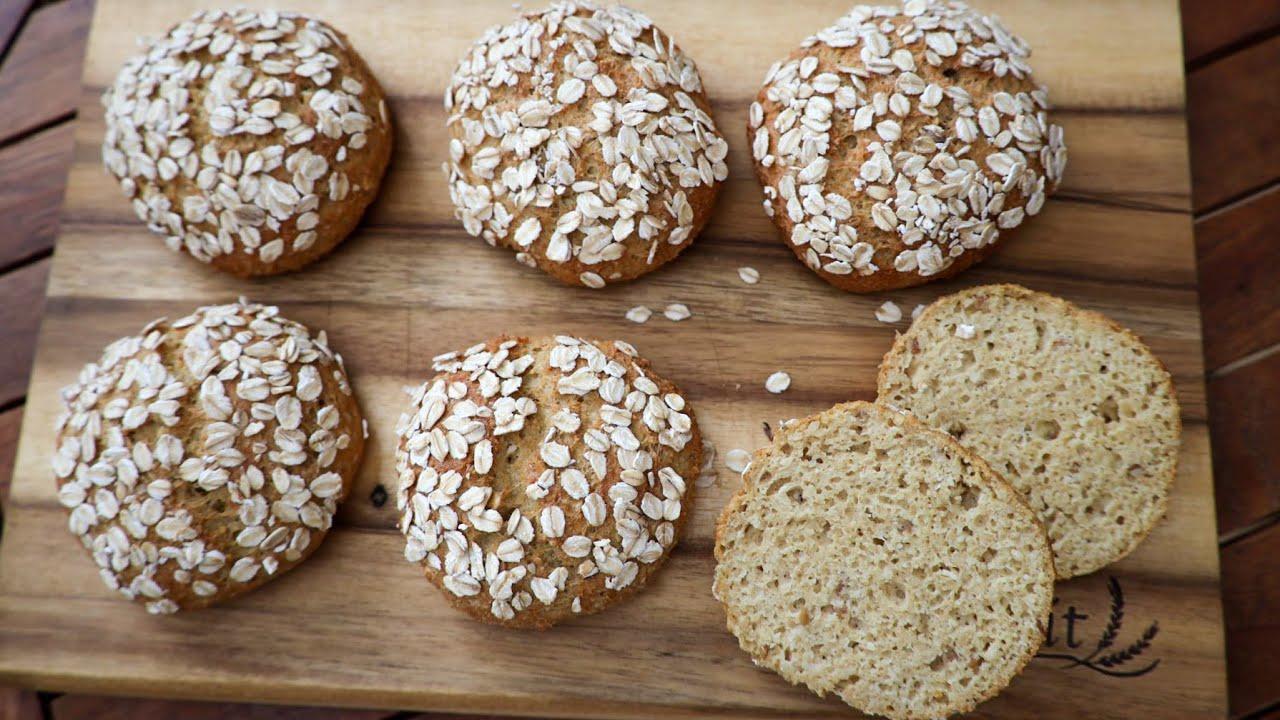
(1232, 53)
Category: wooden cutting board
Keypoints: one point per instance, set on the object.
(356, 625)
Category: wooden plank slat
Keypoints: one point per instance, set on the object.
(11, 14)
(1230, 157)
(10, 424)
(40, 80)
(21, 298)
(16, 704)
(35, 171)
(1250, 586)
(97, 707)
(1115, 163)
(1245, 421)
(1210, 27)
(1136, 65)
(455, 664)
(1239, 258)
(356, 626)
(729, 397)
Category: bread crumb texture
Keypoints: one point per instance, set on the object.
(870, 556)
(1072, 409)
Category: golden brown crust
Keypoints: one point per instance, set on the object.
(901, 350)
(611, 164)
(219, 467)
(919, 197)
(218, 199)
(540, 508)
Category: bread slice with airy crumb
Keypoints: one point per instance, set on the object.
(1072, 409)
(873, 557)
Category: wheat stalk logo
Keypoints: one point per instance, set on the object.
(1116, 662)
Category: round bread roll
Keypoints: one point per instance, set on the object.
(251, 140)
(870, 556)
(203, 457)
(541, 479)
(896, 146)
(581, 138)
(1074, 410)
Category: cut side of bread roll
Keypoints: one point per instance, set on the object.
(1072, 409)
(870, 556)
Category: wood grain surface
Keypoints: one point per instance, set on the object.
(1231, 158)
(1211, 30)
(356, 626)
(1236, 171)
(10, 424)
(1246, 454)
(31, 204)
(11, 15)
(51, 42)
(1250, 586)
(97, 707)
(1239, 261)
(20, 302)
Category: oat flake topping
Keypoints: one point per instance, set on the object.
(944, 159)
(579, 141)
(235, 131)
(199, 456)
(598, 503)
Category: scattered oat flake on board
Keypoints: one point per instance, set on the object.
(778, 382)
(889, 312)
(749, 275)
(676, 312)
(915, 314)
(964, 332)
(639, 314)
(737, 460)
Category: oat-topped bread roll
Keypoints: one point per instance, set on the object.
(203, 457)
(1074, 410)
(870, 556)
(582, 140)
(252, 140)
(540, 479)
(898, 145)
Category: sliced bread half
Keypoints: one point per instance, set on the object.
(871, 556)
(1072, 409)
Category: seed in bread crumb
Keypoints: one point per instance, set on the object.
(823, 502)
(737, 460)
(916, 312)
(749, 275)
(639, 314)
(1072, 429)
(778, 382)
(889, 312)
(676, 312)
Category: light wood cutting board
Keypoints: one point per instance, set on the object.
(356, 625)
